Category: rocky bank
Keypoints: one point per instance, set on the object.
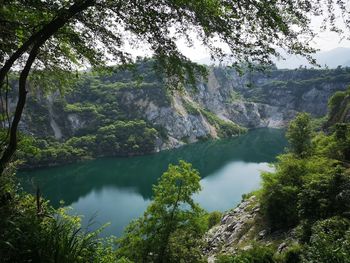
(239, 228)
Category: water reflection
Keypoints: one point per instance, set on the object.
(119, 189)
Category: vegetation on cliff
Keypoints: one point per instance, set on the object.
(120, 138)
(308, 193)
(339, 108)
(122, 96)
(59, 36)
(103, 115)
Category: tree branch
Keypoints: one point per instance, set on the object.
(47, 30)
(37, 40)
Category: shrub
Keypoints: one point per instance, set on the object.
(299, 135)
(33, 231)
(214, 218)
(171, 228)
(256, 254)
(330, 241)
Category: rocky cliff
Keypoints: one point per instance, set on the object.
(240, 228)
(339, 105)
(225, 99)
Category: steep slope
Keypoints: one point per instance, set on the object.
(339, 105)
(153, 118)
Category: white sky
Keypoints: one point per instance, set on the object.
(330, 40)
(325, 41)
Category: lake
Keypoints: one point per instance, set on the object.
(117, 190)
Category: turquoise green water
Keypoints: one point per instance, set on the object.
(117, 190)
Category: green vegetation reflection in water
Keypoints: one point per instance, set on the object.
(118, 189)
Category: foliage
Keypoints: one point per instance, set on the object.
(256, 254)
(325, 195)
(330, 241)
(308, 187)
(268, 26)
(214, 218)
(224, 128)
(132, 137)
(32, 231)
(336, 145)
(339, 107)
(280, 192)
(310, 191)
(171, 228)
(49, 152)
(190, 108)
(293, 254)
(299, 134)
(121, 138)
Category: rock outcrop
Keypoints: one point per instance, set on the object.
(233, 230)
(253, 100)
(239, 228)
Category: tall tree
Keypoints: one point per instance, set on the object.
(56, 36)
(299, 135)
(172, 217)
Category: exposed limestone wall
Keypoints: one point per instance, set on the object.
(252, 101)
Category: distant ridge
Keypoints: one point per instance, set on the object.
(332, 58)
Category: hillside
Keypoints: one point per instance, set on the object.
(301, 211)
(131, 112)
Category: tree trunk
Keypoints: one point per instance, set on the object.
(22, 96)
(36, 40)
(47, 31)
(169, 229)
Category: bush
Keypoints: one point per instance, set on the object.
(330, 241)
(32, 231)
(299, 135)
(224, 128)
(257, 254)
(293, 254)
(279, 195)
(119, 138)
(214, 218)
(171, 228)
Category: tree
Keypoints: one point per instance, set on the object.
(299, 135)
(256, 254)
(330, 241)
(171, 227)
(52, 37)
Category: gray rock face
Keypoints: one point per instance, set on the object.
(271, 101)
(239, 228)
(55, 127)
(75, 121)
(233, 230)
